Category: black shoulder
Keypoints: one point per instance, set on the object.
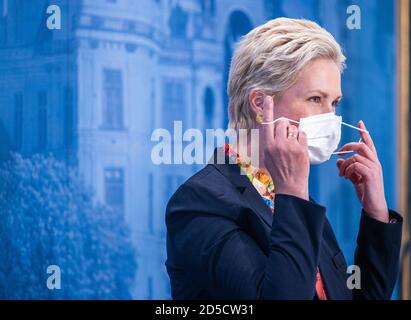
(196, 180)
(207, 191)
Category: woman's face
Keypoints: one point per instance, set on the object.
(317, 90)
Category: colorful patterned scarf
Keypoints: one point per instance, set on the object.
(259, 179)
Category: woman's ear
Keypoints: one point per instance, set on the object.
(256, 101)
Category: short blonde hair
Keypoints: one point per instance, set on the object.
(270, 57)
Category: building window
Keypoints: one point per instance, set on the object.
(112, 99)
(153, 102)
(42, 120)
(18, 120)
(173, 106)
(208, 108)
(208, 7)
(151, 204)
(114, 188)
(178, 22)
(68, 124)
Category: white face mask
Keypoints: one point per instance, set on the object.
(323, 135)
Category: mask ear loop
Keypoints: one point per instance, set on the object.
(359, 141)
(282, 118)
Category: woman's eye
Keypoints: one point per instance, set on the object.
(315, 99)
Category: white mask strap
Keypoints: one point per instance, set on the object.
(354, 127)
(274, 121)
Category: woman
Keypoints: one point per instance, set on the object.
(250, 230)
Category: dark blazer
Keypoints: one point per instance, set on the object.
(223, 242)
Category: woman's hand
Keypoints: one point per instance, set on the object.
(285, 154)
(364, 170)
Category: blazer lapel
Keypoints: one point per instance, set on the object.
(254, 200)
(251, 196)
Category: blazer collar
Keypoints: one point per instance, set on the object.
(233, 173)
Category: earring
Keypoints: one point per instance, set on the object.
(259, 118)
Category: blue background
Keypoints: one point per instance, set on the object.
(90, 95)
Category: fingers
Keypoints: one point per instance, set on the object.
(268, 115)
(344, 164)
(362, 148)
(302, 139)
(356, 170)
(292, 132)
(354, 178)
(366, 137)
(294, 137)
(340, 162)
(280, 131)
